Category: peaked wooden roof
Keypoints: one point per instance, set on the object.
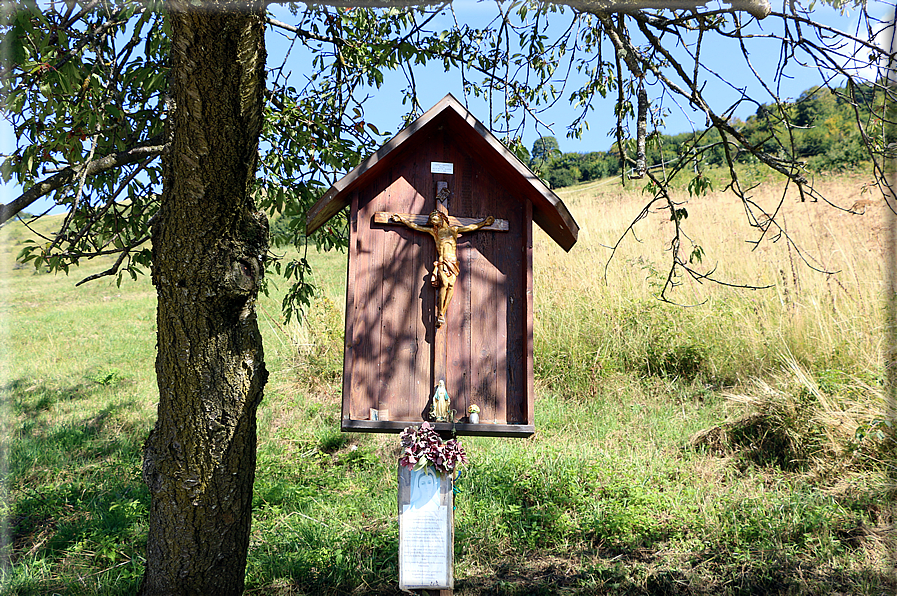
(549, 212)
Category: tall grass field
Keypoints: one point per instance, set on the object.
(734, 442)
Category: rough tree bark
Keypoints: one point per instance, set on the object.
(208, 247)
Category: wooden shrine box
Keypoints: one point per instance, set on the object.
(394, 355)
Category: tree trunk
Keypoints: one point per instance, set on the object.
(208, 248)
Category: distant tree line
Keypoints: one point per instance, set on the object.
(820, 128)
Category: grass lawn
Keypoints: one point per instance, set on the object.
(788, 489)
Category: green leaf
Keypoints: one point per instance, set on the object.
(679, 214)
(697, 254)
(14, 44)
(699, 185)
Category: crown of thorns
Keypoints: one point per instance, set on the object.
(442, 216)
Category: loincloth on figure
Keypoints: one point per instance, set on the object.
(448, 266)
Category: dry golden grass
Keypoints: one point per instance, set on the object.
(852, 243)
(824, 289)
(804, 358)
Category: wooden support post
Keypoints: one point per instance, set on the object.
(439, 368)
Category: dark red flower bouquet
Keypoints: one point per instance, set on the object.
(422, 447)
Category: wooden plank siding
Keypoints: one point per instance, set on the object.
(385, 369)
(528, 380)
(364, 349)
(390, 330)
(394, 355)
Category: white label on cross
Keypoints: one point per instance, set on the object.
(440, 167)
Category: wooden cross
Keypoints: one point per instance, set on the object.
(458, 225)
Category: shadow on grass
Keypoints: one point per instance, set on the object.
(638, 548)
(704, 574)
(76, 504)
(319, 557)
(42, 444)
(32, 398)
(635, 573)
(324, 560)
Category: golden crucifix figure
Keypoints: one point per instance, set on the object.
(445, 269)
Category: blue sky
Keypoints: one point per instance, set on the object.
(719, 55)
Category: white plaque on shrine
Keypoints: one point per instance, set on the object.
(426, 540)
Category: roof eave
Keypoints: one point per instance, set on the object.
(549, 212)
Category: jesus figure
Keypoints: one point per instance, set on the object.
(445, 268)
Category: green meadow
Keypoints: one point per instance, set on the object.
(739, 442)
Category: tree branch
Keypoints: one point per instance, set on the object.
(302, 32)
(121, 258)
(756, 8)
(150, 148)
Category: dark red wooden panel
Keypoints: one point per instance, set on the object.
(363, 321)
(390, 332)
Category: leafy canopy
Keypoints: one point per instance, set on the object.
(84, 88)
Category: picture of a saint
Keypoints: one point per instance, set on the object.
(424, 489)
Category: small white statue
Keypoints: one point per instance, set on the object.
(440, 410)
